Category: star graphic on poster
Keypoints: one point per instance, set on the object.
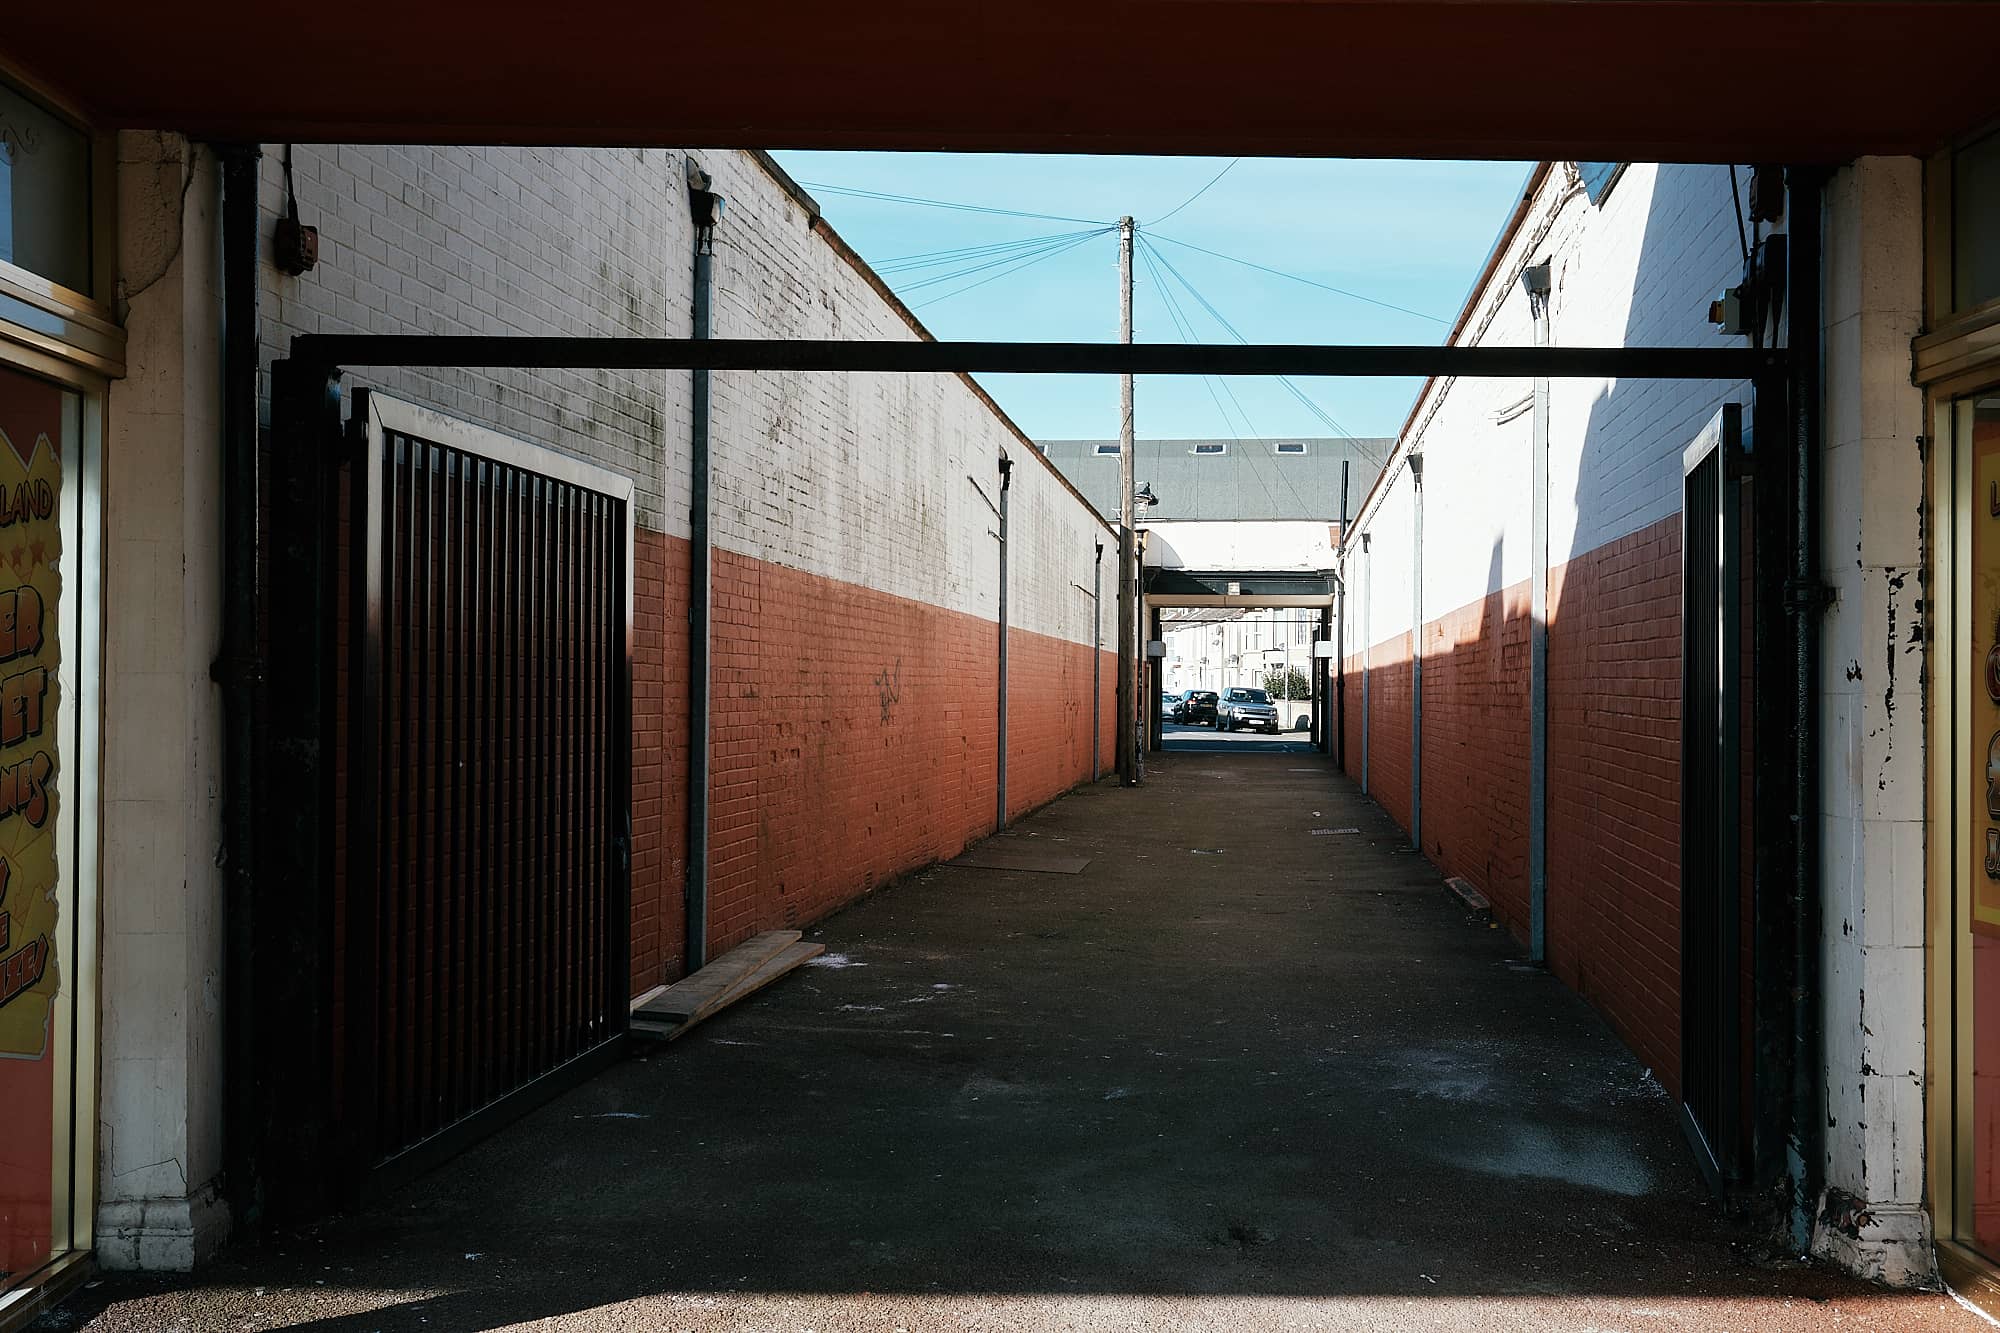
(38, 550)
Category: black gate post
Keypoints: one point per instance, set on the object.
(290, 1156)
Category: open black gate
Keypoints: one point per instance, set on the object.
(481, 889)
(1711, 812)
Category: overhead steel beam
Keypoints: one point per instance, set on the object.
(1031, 358)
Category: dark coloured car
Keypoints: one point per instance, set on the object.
(1243, 706)
(1195, 706)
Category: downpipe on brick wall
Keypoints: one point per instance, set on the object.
(1000, 786)
(704, 207)
(1536, 279)
(1416, 463)
(1367, 647)
(1096, 662)
(1806, 599)
(240, 667)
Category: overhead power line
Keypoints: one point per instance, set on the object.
(885, 197)
(1278, 272)
(937, 258)
(1290, 386)
(1019, 263)
(980, 263)
(1197, 194)
(1150, 255)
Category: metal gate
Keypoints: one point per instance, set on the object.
(482, 894)
(1711, 753)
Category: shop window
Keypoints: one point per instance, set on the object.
(45, 224)
(1975, 200)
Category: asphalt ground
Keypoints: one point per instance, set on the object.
(1253, 1069)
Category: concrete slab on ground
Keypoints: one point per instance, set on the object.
(1286, 1084)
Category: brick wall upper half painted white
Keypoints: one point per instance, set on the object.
(884, 481)
(1636, 270)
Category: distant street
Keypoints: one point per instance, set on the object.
(1207, 740)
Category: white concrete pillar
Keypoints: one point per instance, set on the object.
(1872, 1218)
(160, 1130)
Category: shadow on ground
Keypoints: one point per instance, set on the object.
(1253, 1069)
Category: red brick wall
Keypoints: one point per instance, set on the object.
(1614, 786)
(1614, 770)
(1476, 749)
(1389, 694)
(659, 757)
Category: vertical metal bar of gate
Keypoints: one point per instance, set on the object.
(487, 725)
(1711, 866)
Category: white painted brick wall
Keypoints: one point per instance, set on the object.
(1873, 767)
(1638, 271)
(862, 478)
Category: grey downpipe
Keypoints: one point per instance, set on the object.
(1340, 635)
(240, 669)
(1097, 663)
(704, 207)
(1807, 601)
(1000, 785)
(1417, 652)
(1537, 282)
(1367, 647)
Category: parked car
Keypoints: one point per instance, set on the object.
(1195, 706)
(1243, 706)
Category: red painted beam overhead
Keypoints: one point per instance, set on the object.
(1698, 80)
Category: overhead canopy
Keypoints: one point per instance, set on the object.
(1676, 80)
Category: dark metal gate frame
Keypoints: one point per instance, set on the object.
(1710, 808)
(552, 552)
(288, 1143)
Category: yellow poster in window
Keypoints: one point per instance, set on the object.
(31, 432)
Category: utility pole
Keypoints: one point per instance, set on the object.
(1128, 572)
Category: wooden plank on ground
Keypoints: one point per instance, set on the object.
(665, 1027)
(692, 997)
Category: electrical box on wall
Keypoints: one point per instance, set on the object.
(1155, 648)
(296, 246)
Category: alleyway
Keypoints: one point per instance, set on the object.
(1253, 1068)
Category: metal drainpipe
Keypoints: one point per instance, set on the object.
(1417, 652)
(1537, 281)
(1806, 602)
(1340, 633)
(1096, 662)
(704, 207)
(240, 668)
(1367, 651)
(1000, 788)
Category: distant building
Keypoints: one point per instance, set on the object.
(1226, 480)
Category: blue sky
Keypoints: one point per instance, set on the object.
(1411, 234)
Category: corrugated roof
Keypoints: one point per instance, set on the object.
(1227, 480)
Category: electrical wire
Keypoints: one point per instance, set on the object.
(1043, 250)
(1187, 327)
(1324, 416)
(1197, 194)
(885, 197)
(1188, 335)
(1278, 272)
(935, 258)
(1019, 264)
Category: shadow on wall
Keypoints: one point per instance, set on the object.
(1614, 609)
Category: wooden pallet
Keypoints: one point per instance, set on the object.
(666, 1012)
